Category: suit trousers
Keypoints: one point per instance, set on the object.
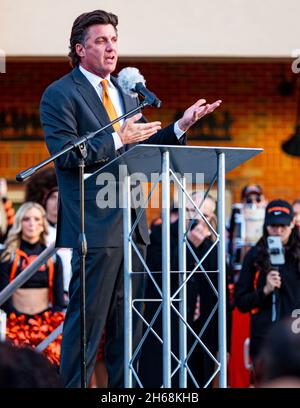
(104, 308)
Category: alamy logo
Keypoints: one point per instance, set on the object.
(296, 62)
(2, 62)
(296, 322)
(110, 188)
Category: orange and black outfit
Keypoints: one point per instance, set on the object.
(250, 297)
(48, 276)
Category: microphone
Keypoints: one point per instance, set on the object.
(133, 83)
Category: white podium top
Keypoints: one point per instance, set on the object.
(147, 159)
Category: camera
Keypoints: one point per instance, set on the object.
(193, 224)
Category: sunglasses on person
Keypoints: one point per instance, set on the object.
(251, 200)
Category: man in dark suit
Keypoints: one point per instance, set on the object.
(82, 102)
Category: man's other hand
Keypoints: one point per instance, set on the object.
(132, 132)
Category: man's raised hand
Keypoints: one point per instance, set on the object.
(196, 112)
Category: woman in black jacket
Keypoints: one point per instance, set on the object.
(262, 286)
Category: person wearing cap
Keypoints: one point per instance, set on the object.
(259, 279)
(253, 194)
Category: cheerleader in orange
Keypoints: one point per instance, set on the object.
(43, 293)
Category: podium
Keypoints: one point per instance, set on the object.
(176, 163)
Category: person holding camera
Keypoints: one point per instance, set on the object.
(261, 282)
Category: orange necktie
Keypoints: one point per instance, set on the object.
(110, 109)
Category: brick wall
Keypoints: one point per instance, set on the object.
(261, 116)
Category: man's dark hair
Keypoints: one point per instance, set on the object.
(23, 367)
(280, 353)
(81, 26)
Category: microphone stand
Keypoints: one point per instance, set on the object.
(80, 147)
(275, 299)
(277, 258)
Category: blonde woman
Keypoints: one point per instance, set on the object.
(25, 241)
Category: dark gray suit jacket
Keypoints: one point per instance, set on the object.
(70, 107)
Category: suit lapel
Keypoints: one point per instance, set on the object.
(92, 99)
(90, 96)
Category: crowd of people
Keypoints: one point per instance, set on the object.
(266, 281)
(260, 287)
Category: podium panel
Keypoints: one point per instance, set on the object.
(177, 161)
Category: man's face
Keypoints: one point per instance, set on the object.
(99, 54)
(207, 208)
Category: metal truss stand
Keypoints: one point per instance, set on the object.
(174, 164)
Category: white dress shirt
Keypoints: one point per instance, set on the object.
(116, 99)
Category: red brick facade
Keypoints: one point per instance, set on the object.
(261, 116)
